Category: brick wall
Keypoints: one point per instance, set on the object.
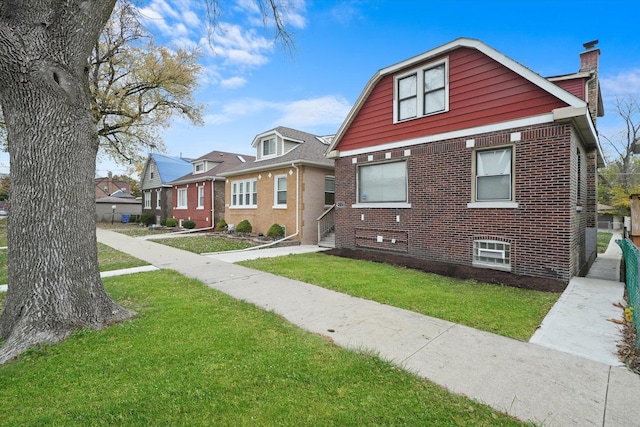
(545, 231)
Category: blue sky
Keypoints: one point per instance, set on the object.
(250, 86)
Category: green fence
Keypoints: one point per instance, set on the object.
(631, 262)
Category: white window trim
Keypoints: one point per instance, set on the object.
(493, 204)
(158, 201)
(200, 189)
(275, 147)
(405, 204)
(333, 178)
(419, 72)
(501, 253)
(277, 205)
(186, 199)
(147, 200)
(195, 168)
(244, 182)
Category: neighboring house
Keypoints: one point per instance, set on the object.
(157, 195)
(462, 155)
(105, 186)
(112, 208)
(290, 183)
(199, 195)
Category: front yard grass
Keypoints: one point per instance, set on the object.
(194, 356)
(503, 310)
(201, 244)
(108, 258)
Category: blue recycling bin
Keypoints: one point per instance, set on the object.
(125, 218)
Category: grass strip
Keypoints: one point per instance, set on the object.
(195, 356)
(503, 310)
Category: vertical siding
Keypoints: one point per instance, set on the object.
(481, 92)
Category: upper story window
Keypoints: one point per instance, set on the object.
(493, 175)
(244, 193)
(383, 183)
(269, 147)
(198, 167)
(151, 170)
(329, 190)
(422, 92)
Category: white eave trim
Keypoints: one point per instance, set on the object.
(530, 121)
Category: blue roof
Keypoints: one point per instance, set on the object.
(170, 168)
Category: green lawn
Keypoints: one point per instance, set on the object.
(603, 241)
(503, 310)
(195, 356)
(204, 243)
(108, 258)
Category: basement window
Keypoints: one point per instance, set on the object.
(492, 254)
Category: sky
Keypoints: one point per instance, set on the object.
(251, 84)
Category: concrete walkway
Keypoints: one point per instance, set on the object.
(582, 321)
(528, 381)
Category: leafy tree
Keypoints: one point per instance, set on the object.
(138, 86)
(621, 178)
(52, 138)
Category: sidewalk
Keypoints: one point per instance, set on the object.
(528, 381)
(580, 321)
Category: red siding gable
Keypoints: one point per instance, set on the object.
(481, 92)
(574, 86)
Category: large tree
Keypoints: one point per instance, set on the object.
(52, 139)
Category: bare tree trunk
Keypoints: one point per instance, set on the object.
(54, 279)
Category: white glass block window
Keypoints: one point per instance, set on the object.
(491, 253)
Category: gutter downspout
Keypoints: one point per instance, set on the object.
(213, 184)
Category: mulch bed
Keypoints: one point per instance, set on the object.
(454, 270)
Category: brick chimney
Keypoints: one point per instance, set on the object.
(589, 62)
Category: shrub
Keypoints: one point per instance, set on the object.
(188, 224)
(275, 231)
(221, 225)
(171, 222)
(163, 222)
(244, 226)
(147, 219)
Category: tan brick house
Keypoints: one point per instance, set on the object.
(289, 183)
(462, 155)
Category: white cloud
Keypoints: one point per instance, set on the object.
(327, 110)
(233, 82)
(301, 114)
(624, 83)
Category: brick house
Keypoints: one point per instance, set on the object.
(157, 196)
(199, 195)
(289, 183)
(106, 186)
(462, 155)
